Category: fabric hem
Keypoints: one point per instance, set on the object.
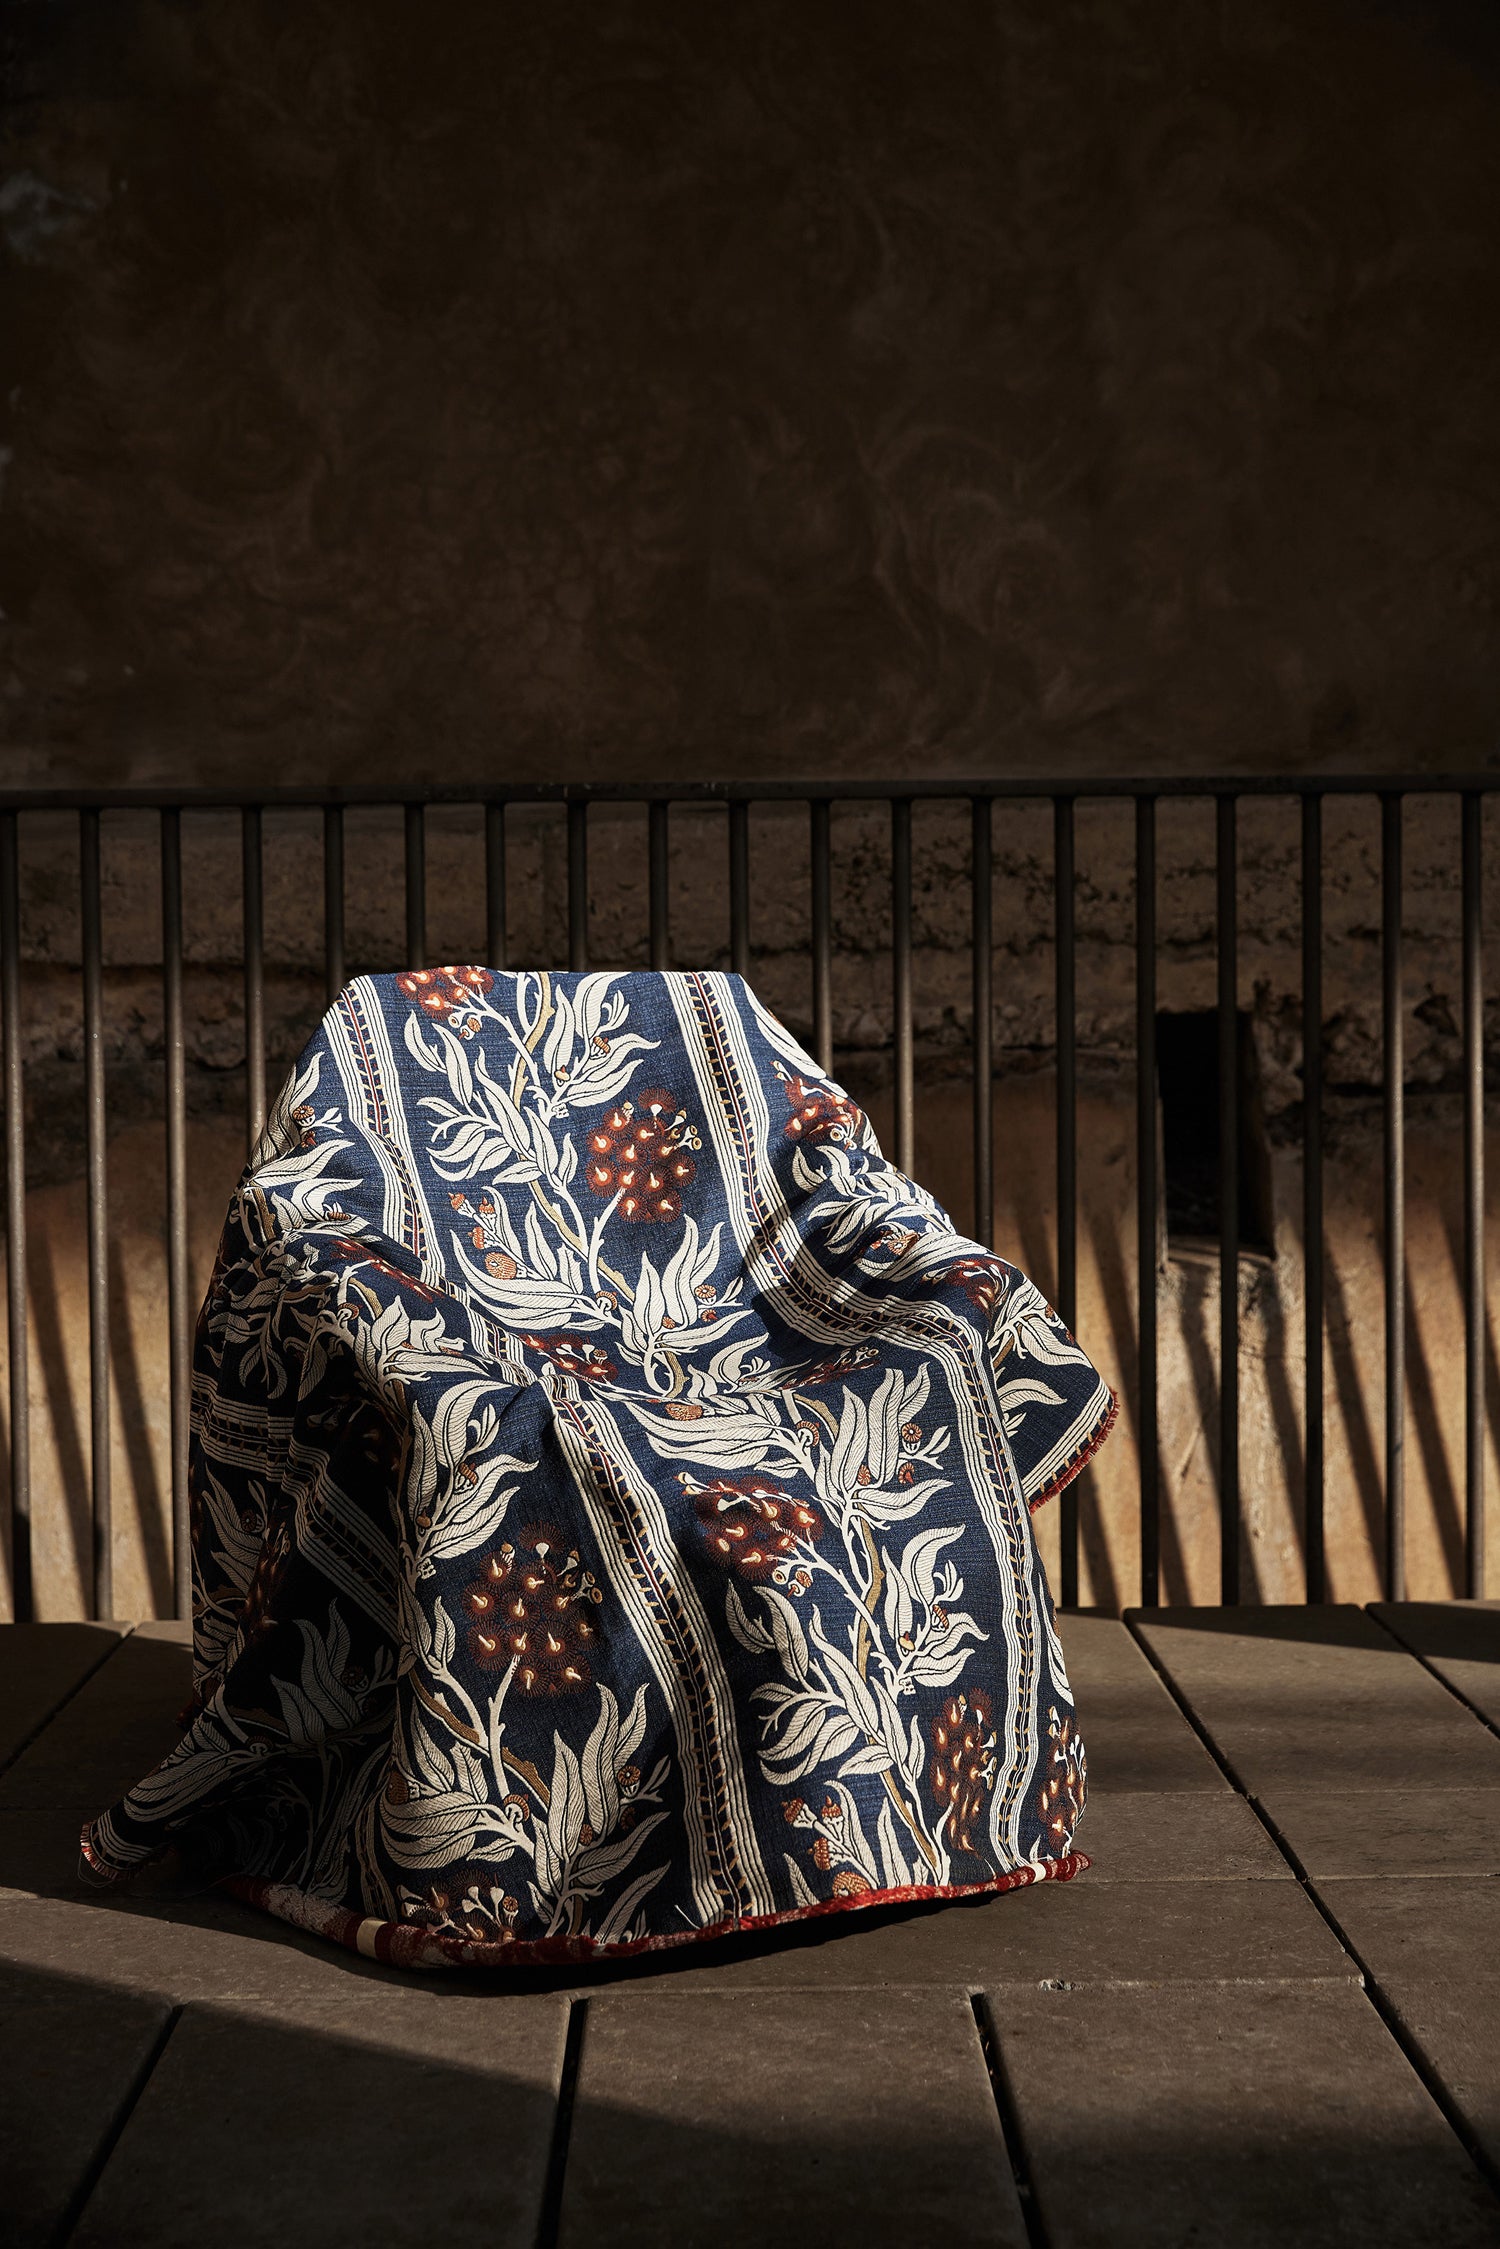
(397, 1944)
(1080, 1459)
(400, 1945)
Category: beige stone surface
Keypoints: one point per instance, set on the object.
(1241, 1930)
(348, 2123)
(1171, 2118)
(1270, 1363)
(1271, 1353)
(140, 1399)
(849, 2117)
(1181, 2053)
(1299, 1695)
(1152, 1835)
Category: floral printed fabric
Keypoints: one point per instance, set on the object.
(610, 1495)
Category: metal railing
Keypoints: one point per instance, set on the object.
(737, 799)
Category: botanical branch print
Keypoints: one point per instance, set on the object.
(610, 1491)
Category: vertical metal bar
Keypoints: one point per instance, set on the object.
(658, 842)
(1229, 1204)
(1395, 1199)
(739, 888)
(15, 1222)
(1146, 1190)
(334, 977)
(578, 884)
(98, 1213)
(822, 932)
(252, 893)
(416, 886)
(1063, 888)
(1312, 1192)
(179, 1328)
(1474, 1275)
(495, 918)
(982, 939)
(901, 979)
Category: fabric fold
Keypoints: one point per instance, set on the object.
(610, 1495)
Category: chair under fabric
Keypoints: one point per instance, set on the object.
(610, 1494)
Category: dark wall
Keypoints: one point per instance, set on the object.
(654, 387)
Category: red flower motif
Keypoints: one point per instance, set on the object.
(1060, 1801)
(530, 1607)
(820, 1112)
(963, 1764)
(575, 1355)
(982, 1280)
(754, 1525)
(639, 1152)
(446, 992)
(848, 1884)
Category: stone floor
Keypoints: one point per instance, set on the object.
(1269, 2014)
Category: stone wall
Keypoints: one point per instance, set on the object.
(1022, 908)
(1023, 1106)
(1272, 1426)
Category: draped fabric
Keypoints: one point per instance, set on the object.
(610, 1495)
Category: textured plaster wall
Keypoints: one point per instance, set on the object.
(628, 386)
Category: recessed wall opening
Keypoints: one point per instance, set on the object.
(1187, 1068)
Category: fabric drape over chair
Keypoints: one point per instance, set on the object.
(611, 1486)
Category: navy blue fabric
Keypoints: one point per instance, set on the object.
(611, 1487)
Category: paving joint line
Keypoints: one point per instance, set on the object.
(549, 2216)
(1378, 1998)
(58, 1708)
(98, 2163)
(1003, 2094)
(1432, 1671)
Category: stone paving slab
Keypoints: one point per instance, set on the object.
(1433, 1952)
(176, 1631)
(203, 1949)
(1293, 1694)
(1249, 2115)
(1137, 1738)
(378, 2122)
(1129, 1838)
(71, 2059)
(40, 1666)
(39, 1855)
(212, 1947)
(1460, 1640)
(121, 1722)
(1189, 1906)
(1194, 1836)
(1073, 1932)
(858, 2118)
(1391, 1832)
